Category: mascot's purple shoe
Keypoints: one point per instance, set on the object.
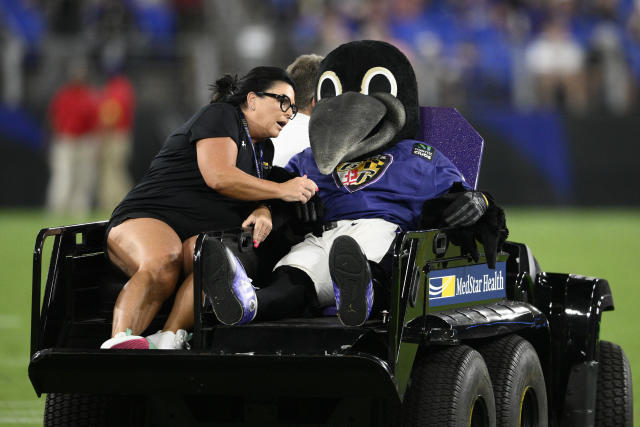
(228, 287)
(351, 278)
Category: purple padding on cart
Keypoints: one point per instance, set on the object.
(446, 129)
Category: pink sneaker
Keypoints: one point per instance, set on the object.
(127, 341)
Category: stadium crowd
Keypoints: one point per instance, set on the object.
(571, 58)
(566, 54)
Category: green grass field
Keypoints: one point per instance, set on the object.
(601, 243)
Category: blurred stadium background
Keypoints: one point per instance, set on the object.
(552, 85)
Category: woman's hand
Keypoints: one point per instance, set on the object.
(299, 189)
(261, 221)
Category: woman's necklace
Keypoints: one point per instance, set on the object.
(253, 149)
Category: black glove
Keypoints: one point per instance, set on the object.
(466, 209)
(293, 219)
(311, 211)
(491, 229)
(309, 216)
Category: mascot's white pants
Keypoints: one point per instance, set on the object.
(374, 235)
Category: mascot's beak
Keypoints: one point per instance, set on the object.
(348, 126)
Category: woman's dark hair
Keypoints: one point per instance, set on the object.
(234, 91)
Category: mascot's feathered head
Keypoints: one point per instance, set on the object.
(367, 99)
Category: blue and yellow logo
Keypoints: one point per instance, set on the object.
(467, 284)
(442, 287)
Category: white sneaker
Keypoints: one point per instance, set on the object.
(124, 340)
(168, 340)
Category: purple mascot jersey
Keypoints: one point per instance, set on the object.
(391, 185)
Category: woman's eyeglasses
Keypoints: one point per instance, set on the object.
(285, 102)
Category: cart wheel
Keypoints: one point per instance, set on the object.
(518, 382)
(71, 409)
(62, 409)
(449, 387)
(614, 396)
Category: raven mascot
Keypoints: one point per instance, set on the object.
(374, 180)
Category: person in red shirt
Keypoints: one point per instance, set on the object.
(74, 146)
(116, 111)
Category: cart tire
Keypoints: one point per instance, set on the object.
(614, 396)
(518, 382)
(64, 409)
(449, 387)
(100, 410)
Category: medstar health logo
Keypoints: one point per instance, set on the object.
(467, 284)
(442, 287)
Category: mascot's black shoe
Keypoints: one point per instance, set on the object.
(351, 278)
(227, 286)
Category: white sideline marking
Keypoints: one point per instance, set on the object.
(11, 321)
(21, 412)
(35, 403)
(21, 420)
(21, 417)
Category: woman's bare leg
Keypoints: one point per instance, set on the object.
(181, 316)
(151, 253)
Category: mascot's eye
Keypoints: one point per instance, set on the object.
(379, 79)
(328, 85)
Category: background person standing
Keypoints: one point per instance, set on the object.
(295, 136)
(74, 145)
(116, 112)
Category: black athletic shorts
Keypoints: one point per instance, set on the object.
(184, 228)
(256, 262)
